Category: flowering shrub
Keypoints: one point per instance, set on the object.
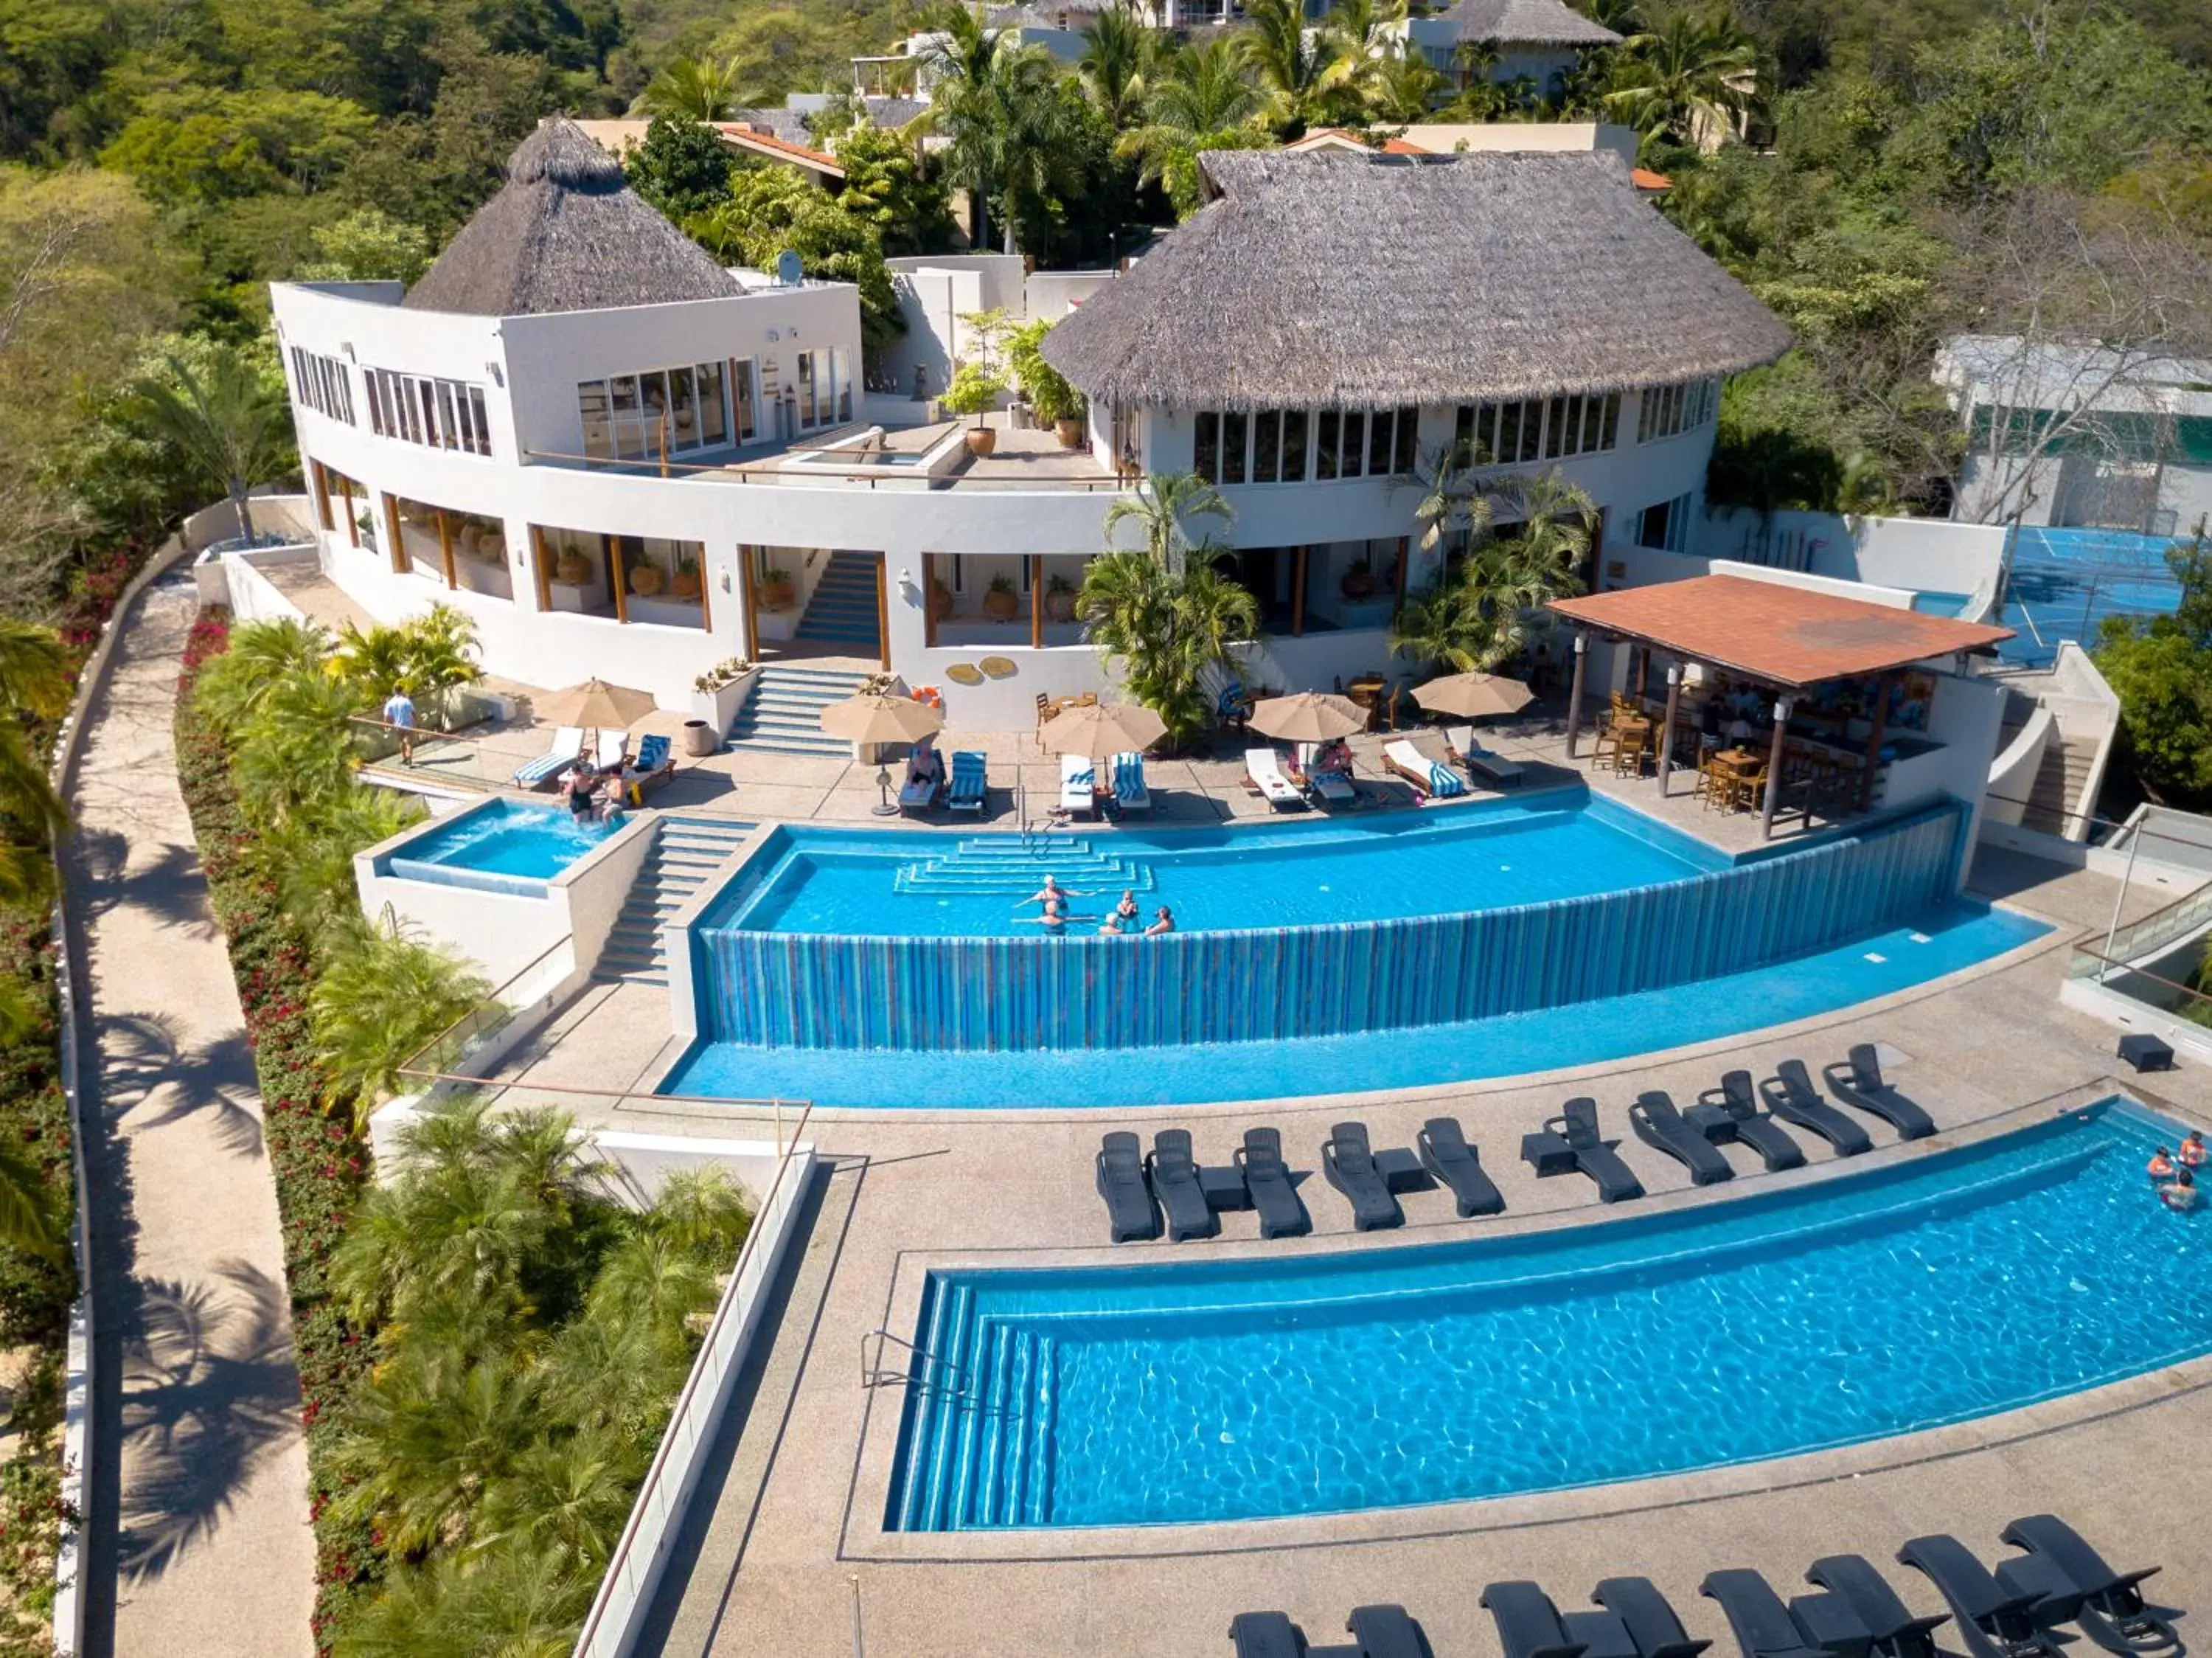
(319, 1167)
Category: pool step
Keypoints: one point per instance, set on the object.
(685, 852)
(1016, 866)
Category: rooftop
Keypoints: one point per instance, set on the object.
(1374, 282)
(1778, 634)
(1526, 23)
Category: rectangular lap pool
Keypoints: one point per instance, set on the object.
(1955, 1285)
(502, 846)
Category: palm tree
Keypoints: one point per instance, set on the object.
(294, 752)
(1476, 619)
(34, 686)
(1117, 50)
(1300, 70)
(1405, 86)
(310, 858)
(565, 1500)
(1165, 628)
(27, 1213)
(228, 428)
(1366, 41)
(1690, 80)
(1198, 98)
(428, 656)
(511, 1602)
(231, 688)
(693, 88)
(381, 999)
(1163, 504)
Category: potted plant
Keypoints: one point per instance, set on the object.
(776, 591)
(685, 584)
(1055, 401)
(941, 599)
(1358, 580)
(572, 569)
(975, 391)
(1058, 599)
(490, 547)
(646, 580)
(720, 692)
(999, 603)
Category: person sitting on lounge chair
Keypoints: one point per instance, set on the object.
(2161, 1166)
(2182, 1194)
(924, 769)
(614, 790)
(1163, 922)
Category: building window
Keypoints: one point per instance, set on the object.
(822, 389)
(1538, 429)
(322, 384)
(1288, 446)
(1670, 410)
(1667, 525)
(662, 410)
(439, 414)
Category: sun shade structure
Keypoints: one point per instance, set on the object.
(1526, 23)
(1789, 636)
(595, 704)
(1474, 695)
(872, 717)
(565, 233)
(1101, 731)
(1374, 282)
(1308, 716)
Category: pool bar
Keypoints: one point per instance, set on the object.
(1001, 994)
(2030, 1265)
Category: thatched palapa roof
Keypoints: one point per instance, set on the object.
(1374, 282)
(565, 233)
(1526, 23)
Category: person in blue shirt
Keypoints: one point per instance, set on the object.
(399, 715)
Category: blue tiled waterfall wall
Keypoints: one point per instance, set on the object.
(814, 991)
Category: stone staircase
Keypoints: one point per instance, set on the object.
(2060, 775)
(842, 609)
(684, 853)
(783, 713)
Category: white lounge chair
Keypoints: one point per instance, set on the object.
(1130, 794)
(1435, 778)
(1460, 745)
(969, 782)
(1267, 774)
(613, 746)
(560, 754)
(1079, 783)
(919, 794)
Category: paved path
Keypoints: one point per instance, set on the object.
(199, 1541)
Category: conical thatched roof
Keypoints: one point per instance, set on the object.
(1526, 23)
(566, 233)
(1322, 279)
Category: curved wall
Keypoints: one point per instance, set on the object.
(923, 993)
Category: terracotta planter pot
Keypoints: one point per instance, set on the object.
(1059, 606)
(1001, 605)
(982, 440)
(647, 580)
(1356, 586)
(940, 603)
(685, 584)
(776, 593)
(1070, 433)
(572, 569)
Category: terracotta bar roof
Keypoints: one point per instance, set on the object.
(1784, 635)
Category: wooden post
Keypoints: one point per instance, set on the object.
(1667, 731)
(1298, 593)
(706, 605)
(749, 601)
(882, 615)
(1575, 696)
(321, 480)
(353, 526)
(537, 564)
(929, 600)
(1037, 601)
(619, 578)
(1405, 562)
(1874, 742)
(446, 548)
(399, 561)
(1774, 767)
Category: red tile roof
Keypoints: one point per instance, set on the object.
(1644, 178)
(1783, 636)
(751, 137)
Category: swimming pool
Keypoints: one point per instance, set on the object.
(1484, 856)
(1951, 1286)
(501, 846)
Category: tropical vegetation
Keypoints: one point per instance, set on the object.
(1494, 579)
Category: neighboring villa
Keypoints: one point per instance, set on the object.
(619, 459)
(2079, 435)
(1539, 41)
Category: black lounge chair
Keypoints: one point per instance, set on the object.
(1765, 1628)
(1175, 1182)
(1266, 1634)
(2113, 1611)
(1659, 1126)
(1994, 1619)
(1386, 1632)
(1731, 1112)
(1446, 1155)
(1529, 1626)
(1350, 1167)
(1648, 1616)
(1790, 1095)
(1267, 1181)
(1570, 1142)
(1857, 1082)
(1896, 1633)
(1130, 1214)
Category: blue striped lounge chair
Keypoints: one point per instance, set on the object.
(1434, 777)
(968, 782)
(1130, 794)
(655, 764)
(560, 754)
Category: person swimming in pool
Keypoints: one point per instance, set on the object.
(2161, 1166)
(2182, 1194)
(1125, 910)
(1052, 893)
(1054, 917)
(1163, 922)
(2191, 1154)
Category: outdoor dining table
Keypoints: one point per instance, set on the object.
(1367, 692)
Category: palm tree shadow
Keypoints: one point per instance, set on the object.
(173, 887)
(140, 1055)
(210, 1391)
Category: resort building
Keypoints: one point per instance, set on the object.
(618, 458)
(1542, 42)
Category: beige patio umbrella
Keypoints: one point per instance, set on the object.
(1473, 696)
(1102, 730)
(597, 704)
(872, 717)
(1308, 716)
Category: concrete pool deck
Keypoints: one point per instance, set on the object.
(786, 1526)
